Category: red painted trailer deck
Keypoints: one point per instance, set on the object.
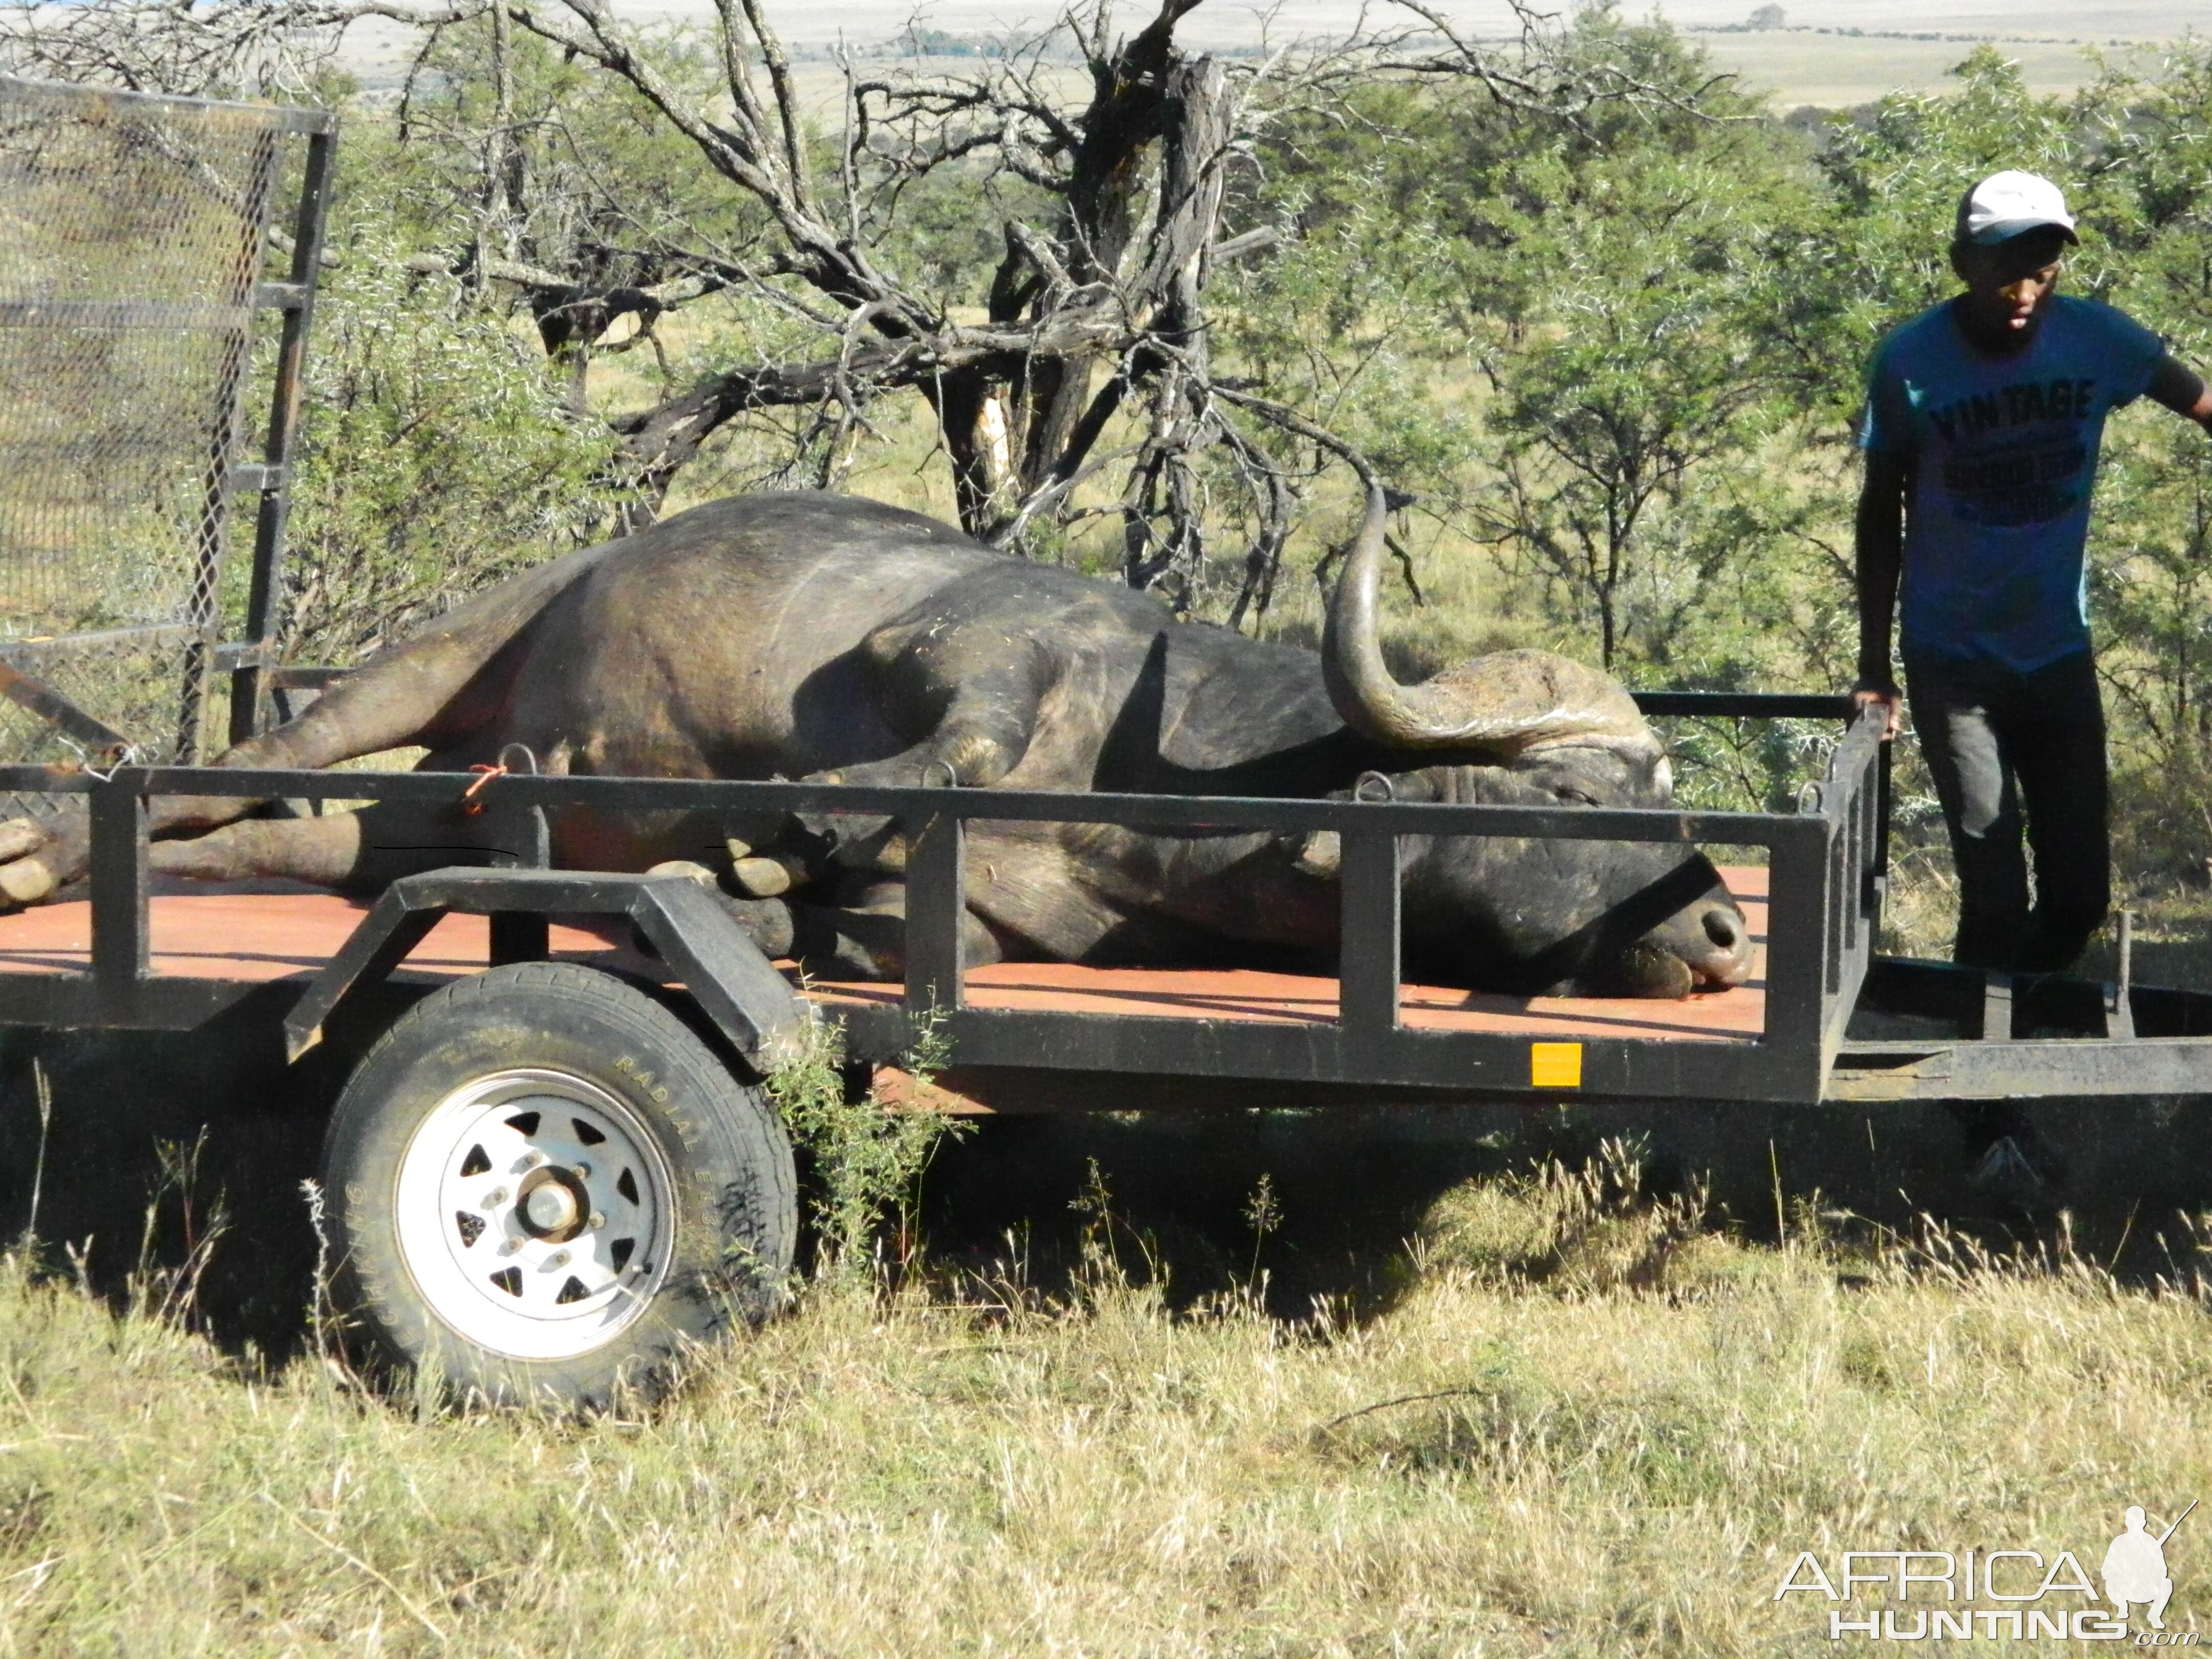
(271, 932)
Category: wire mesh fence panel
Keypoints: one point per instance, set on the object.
(127, 682)
(131, 231)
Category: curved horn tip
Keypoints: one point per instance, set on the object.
(1359, 685)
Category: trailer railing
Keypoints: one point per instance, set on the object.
(1826, 872)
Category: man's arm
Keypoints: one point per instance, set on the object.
(1881, 549)
(2182, 390)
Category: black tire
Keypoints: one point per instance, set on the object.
(479, 1093)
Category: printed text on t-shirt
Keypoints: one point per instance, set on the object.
(2012, 405)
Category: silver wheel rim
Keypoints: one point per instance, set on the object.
(535, 1214)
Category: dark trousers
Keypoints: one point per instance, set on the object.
(2003, 744)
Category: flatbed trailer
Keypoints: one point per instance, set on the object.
(1823, 1018)
(542, 1170)
(556, 1164)
(553, 1163)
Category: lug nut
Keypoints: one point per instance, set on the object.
(495, 1198)
(597, 1221)
(583, 1171)
(558, 1258)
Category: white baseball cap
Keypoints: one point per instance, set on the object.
(2006, 204)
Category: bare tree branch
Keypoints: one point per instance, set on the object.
(1095, 349)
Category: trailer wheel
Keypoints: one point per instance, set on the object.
(543, 1187)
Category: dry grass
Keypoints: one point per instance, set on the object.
(1592, 1424)
(1798, 67)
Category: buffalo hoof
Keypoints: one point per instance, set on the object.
(767, 922)
(767, 877)
(26, 881)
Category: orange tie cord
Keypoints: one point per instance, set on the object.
(470, 804)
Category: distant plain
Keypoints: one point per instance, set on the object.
(1814, 60)
(1239, 21)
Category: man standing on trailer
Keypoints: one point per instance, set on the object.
(1982, 425)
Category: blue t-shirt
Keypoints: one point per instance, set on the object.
(1999, 512)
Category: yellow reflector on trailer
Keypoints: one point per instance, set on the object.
(1555, 1065)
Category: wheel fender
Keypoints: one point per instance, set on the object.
(752, 1004)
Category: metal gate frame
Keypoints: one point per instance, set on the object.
(248, 661)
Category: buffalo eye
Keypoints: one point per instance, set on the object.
(1578, 796)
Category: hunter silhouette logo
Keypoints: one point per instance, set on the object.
(2135, 1567)
(2034, 1596)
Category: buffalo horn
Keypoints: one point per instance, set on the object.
(1508, 699)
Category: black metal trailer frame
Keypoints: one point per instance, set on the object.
(1841, 1022)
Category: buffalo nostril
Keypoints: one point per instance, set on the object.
(1721, 928)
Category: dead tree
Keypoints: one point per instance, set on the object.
(1092, 353)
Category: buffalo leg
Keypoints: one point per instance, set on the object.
(860, 842)
(361, 851)
(953, 754)
(341, 850)
(325, 851)
(436, 689)
(988, 686)
(866, 938)
(990, 693)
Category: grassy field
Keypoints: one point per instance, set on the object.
(1587, 1422)
(1792, 67)
(1797, 67)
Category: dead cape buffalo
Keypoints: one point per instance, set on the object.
(826, 637)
